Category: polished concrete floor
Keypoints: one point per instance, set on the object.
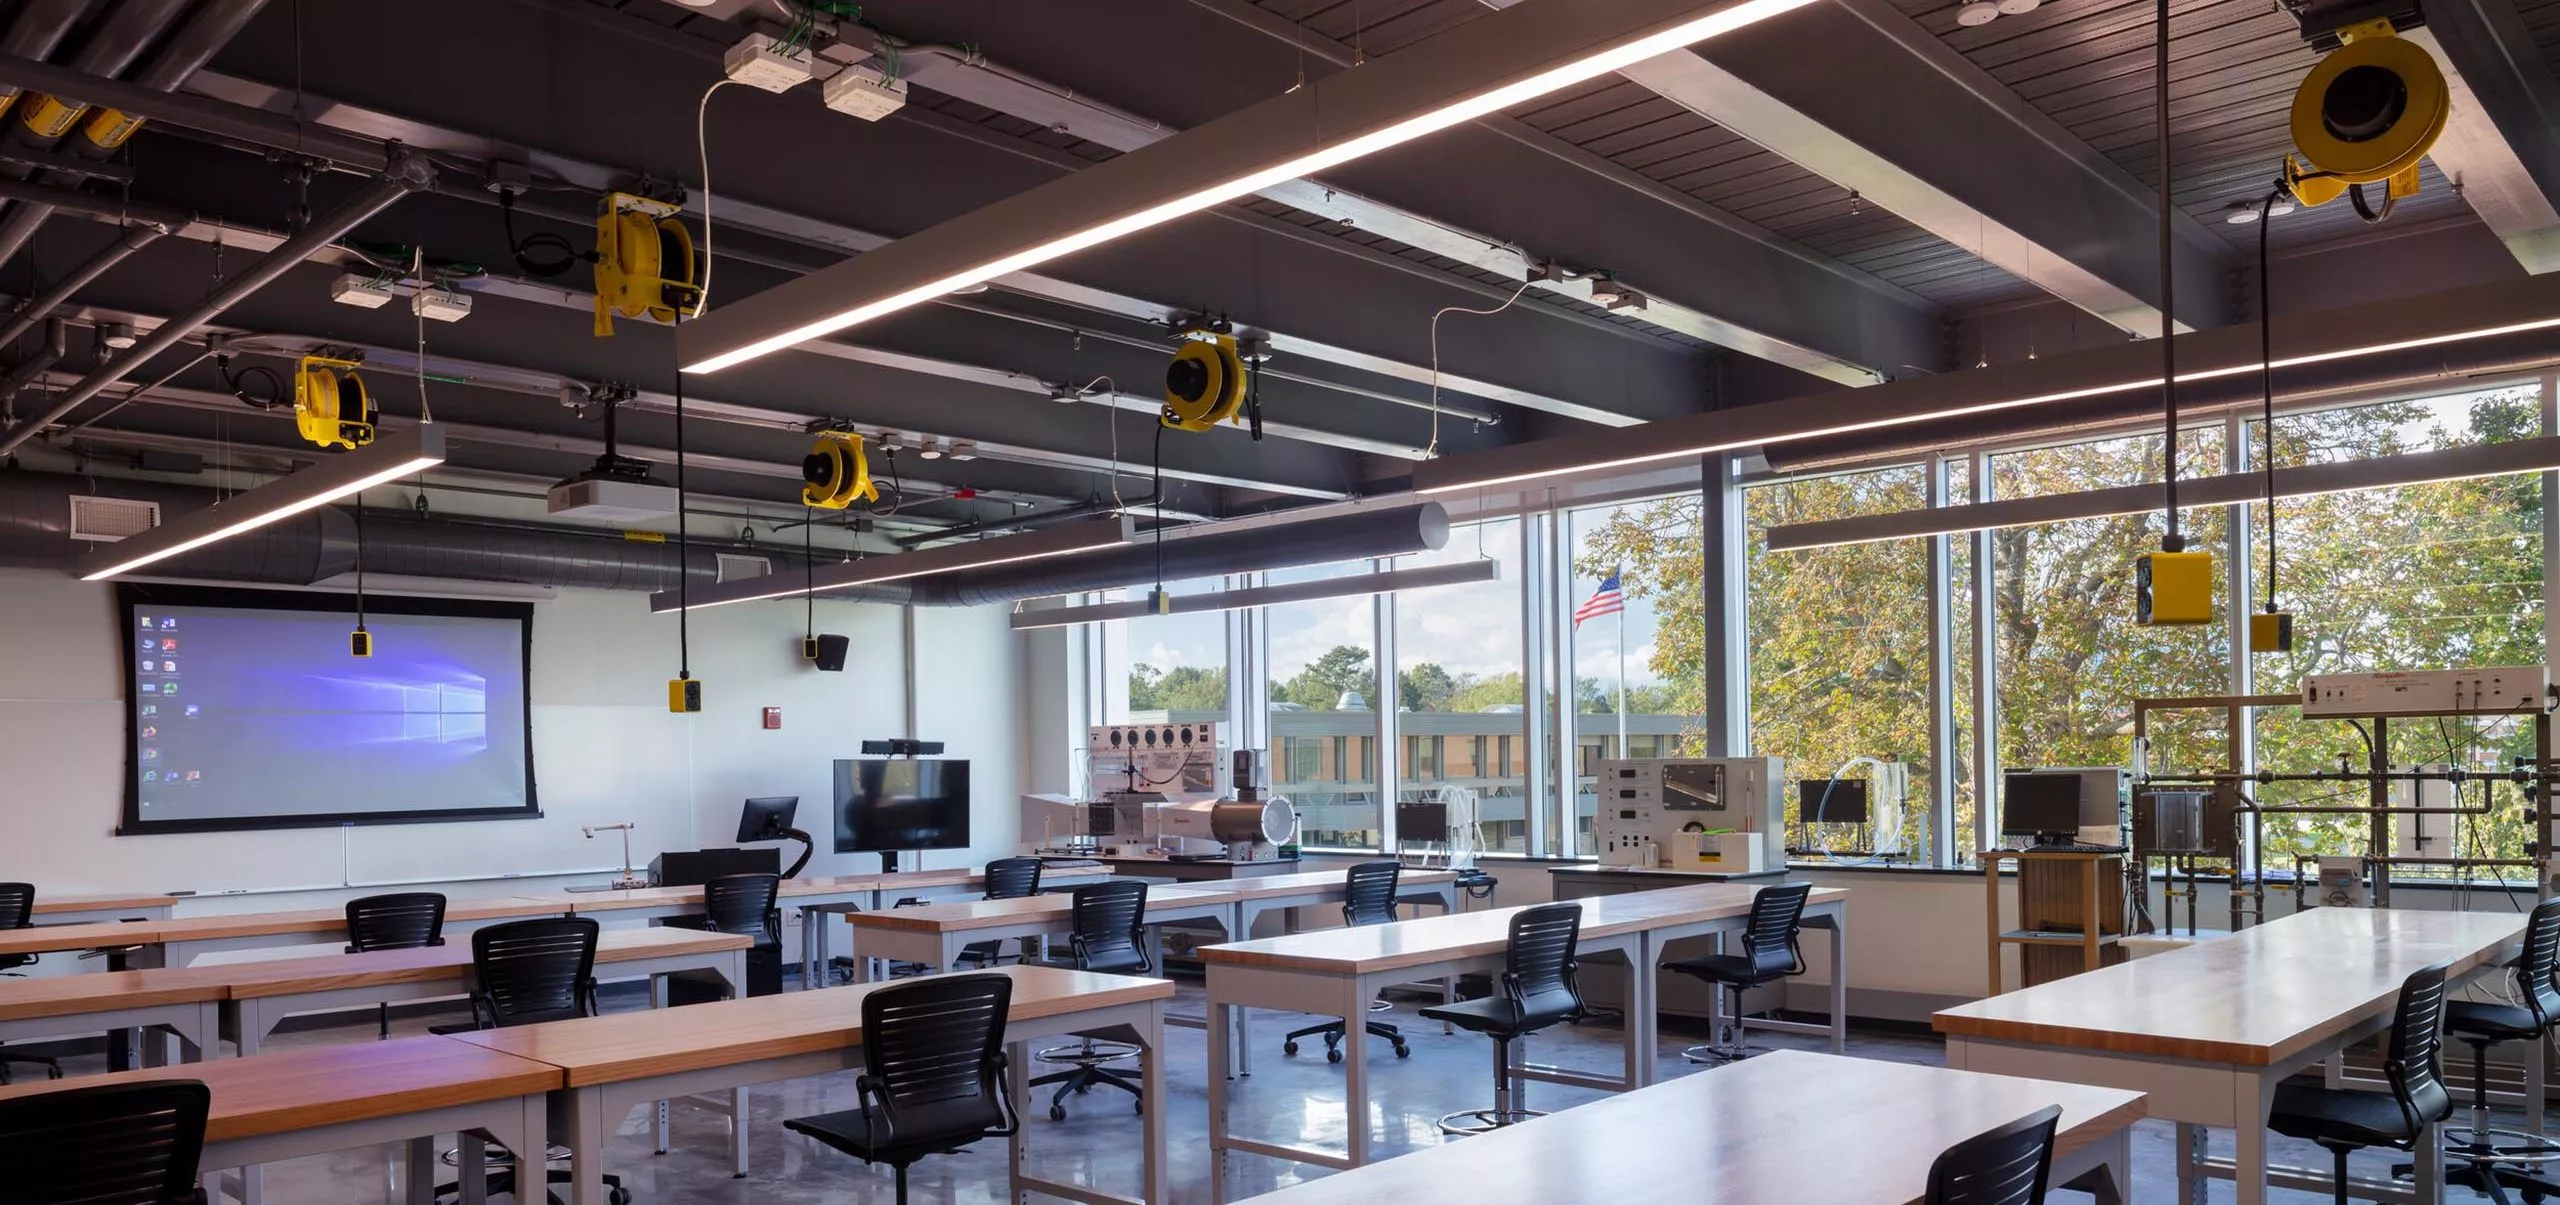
(1299, 1100)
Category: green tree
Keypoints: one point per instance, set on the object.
(1478, 693)
(1426, 687)
(1321, 685)
(1182, 688)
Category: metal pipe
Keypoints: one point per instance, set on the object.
(407, 174)
(51, 299)
(203, 114)
(98, 205)
(189, 49)
(57, 339)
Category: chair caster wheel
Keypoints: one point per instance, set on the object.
(1403, 1051)
(1333, 1056)
(1289, 1048)
(1057, 1112)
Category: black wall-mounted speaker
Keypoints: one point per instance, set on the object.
(831, 651)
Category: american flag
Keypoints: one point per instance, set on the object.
(1607, 600)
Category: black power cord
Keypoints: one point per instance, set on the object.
(2267, 385)
(540, 253)
(2171, 541)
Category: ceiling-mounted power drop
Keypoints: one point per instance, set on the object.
(837, 472)
(644, 262)
(1205, 384)
(331, 407)
(2367, 114)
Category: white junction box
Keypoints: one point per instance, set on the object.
(612, 499)
(2483, 689)
(759, 62)
(863, 91)
(1722, 814)
(362, 292)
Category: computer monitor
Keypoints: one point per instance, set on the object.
(2045, 806)
(767, 818)
(884, 805)
(1832, 800)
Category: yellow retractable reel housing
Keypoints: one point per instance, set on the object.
(644, 262)
(330, 405)
(2366, 115)
(1204, 386)
(837, 473)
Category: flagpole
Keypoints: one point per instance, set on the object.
(1622, 664)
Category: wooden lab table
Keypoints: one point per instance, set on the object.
(2210, 1030)
(1336, 972)
(848, 894)
(614, 1064)
(263, 992)
(185, 1003)
(309, 1102)
(1785, 1126)
(71, 909)
(185, 939)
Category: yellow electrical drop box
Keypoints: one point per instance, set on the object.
(684, 694)
(2173, 588)
(2271, 632)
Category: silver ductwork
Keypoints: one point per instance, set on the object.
(35, 532)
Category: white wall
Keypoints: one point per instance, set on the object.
(605, 747)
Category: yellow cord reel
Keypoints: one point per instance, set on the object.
(330, 405)
(1205, 384)
(644, 262)
(2367, 114)
(837, 473)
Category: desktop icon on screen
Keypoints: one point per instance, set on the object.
(150, 666)
(169, 624)
(192, 709)
(168, 667)
(167, 688)
(150, 709)
(195, 775)
(146, 623)
(169, 644)
(149, 645)
(151, 688)
(150, 733)
(150, 754)
(151, 776)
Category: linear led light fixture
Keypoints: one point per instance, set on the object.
(393, 454)
(1066, 539)
(2380, 472)
(1475, 70)
(1459, 574)
(2456, 316)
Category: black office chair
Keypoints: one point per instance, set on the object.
(1007, 879)
(737, 903)
(18, 911)
(2344, 1120)
(1769, 953)
(1109, 921)
(406, 920)
(530, 971)
(107, 1144)
(2493, 1161)
(933, 1073)
(2003, 1166)
(1368, 898)
(1539, 989)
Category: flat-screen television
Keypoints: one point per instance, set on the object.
(2039, 805)
(888, 804)
(1832, 800)
(246, 710)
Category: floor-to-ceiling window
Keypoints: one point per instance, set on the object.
(1461, 698)
(1323, 686)
(1638, 649)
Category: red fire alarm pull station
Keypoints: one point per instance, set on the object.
(773, 717)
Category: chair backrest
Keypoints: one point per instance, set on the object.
(111, 1144)
(2539, 962)
(2414, 1059)
(744, 903)
(406, 920)
(17, 905)
(1769, 933)
(1369, 893)
(2004, 1166)
(933, 1057)
(1013, 878)
(534, 970)
(1108, 920)
(1538, 967)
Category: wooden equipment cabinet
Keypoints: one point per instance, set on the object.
(2070, 912)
